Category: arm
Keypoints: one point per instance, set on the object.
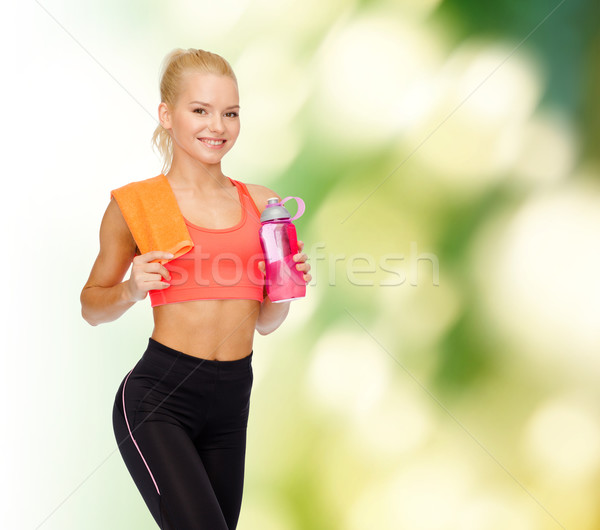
(105, 297)
(271, 316)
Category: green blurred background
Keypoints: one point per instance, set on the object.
(442, 372)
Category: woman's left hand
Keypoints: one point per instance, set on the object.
(301, 264)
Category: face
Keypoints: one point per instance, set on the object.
(205, 122)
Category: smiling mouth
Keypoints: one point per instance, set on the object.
(211, 141)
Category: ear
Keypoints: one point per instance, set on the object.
(164, 115)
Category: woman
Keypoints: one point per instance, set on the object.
(180, 415)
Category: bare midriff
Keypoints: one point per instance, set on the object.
(221, 330)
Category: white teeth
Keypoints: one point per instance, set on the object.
(213, 142)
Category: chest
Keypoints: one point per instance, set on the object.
(217, 212)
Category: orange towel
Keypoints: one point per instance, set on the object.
(153, 216)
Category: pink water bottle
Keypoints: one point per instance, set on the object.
(279, 243)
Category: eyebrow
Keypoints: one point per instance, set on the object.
(209, 105)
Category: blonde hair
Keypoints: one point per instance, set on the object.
(176, 65)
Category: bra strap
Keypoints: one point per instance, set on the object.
(246, 193)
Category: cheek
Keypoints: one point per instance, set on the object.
(233, 136)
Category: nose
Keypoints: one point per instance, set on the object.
(216, 124)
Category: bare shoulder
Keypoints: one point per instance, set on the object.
(261, 194)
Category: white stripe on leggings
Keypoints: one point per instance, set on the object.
(131, 434)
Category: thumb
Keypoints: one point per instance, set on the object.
(261, 266)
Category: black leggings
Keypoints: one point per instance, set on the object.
(180, 424)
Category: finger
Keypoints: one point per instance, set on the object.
(153, 277)
(154, 255)
(300, 244)
(159, 270)
(261, 266)
(155, 281)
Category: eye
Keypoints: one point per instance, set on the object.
(200, 110)
(232, 114)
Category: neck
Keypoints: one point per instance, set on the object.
(196, 175)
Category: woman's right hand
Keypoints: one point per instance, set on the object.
(146, 276)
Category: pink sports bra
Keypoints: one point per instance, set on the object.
(223, 264)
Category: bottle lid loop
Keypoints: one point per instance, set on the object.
(301, 206)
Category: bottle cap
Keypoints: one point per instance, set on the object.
(276, 210)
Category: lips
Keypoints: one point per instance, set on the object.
(215, 142)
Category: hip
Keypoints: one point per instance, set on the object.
(169, 385)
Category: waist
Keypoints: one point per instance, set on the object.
(163, 357)
(218, 329)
